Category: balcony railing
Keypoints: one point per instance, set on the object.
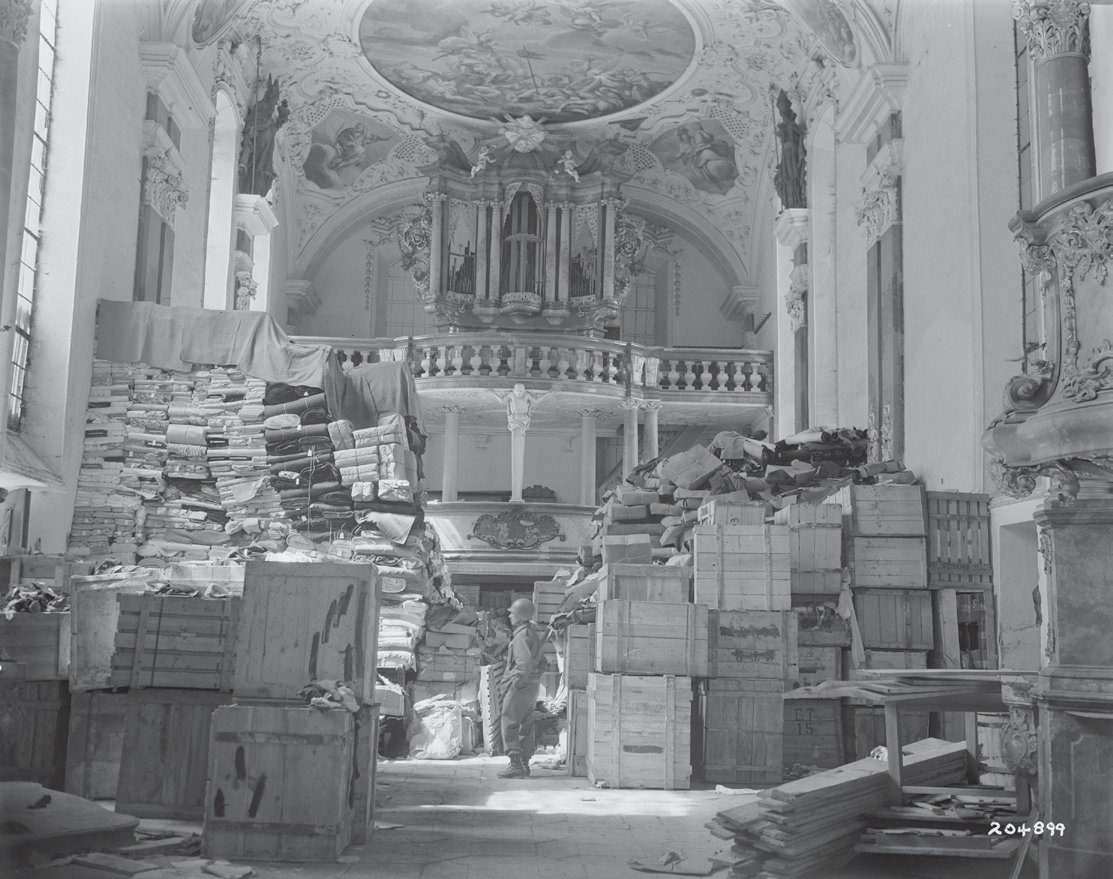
(563, 358)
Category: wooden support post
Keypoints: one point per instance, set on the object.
(970, 720)
(893, 746)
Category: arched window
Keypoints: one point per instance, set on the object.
(221, 224)
(521, 247)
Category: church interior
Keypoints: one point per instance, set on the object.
(739, 366)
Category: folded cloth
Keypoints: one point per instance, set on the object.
(357, 457)
(289, 479)
(302, 444)
(315, 415)
(393, 526)
(337, 497)
(298, 461)
(309, 492)
(341, 434)
(410, 509)
(363, 491)
(284, 434)
(393, 471)
(285, 419)
(187, 451)
(295, 405)
(395, 490)
(186, 434)
(372, 436)
(361, 473)
(330, 511)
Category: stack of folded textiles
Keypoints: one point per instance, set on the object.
(381, 472)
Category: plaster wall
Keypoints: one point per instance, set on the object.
(1101, 84)
(850, 282)
(191, 220)
(699, 322)
(957, 248)
(823, 295)
(340, 283)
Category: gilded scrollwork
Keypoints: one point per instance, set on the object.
(414, 238)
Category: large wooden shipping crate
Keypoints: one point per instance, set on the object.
(579, 733)
(742, 567)
(96, 744)
(892, 619)
(40, 642)
(34, 728)
(579, 651)
(813, 732)
(365, 744)
(864, 729)
(720, 512)
(814, 547)
(176, 642)
(667, 583)
(448, 665)
(741, 734)
(958, 540)
(882, 510)
(95, 614)
(548, 595)
(639, 731)
(166, 752)
(280, 784)
(302, 622)
(819, 625)
(758, 646)
(651, 638)
(818, 664)
(887, 562)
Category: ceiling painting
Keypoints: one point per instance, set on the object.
(702, 152)
(830, 27)
(344, 145)
(211, 19)
(567, 61)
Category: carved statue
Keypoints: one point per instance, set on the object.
(519, 402)
(256, 165)
(790, 177)
(482, 161)
(567, 165)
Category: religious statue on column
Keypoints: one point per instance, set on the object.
(256, 163)
(789, 179)
(519, 403)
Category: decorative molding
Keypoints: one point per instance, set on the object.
(796, 297)
(1052, 27)
(415, 237)
(301, 296)
(886, 433)
(168, 73)
(13, 20)
(254, 215)
(157, 143)
(873, 436)
(516, 528)
(1020, 742)
(792, 227)
(163, 187)
(879, 94)
(880, 207)
(740, 303)
(651, 405)
(1046, 551)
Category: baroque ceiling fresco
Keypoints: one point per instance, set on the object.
(678, 95)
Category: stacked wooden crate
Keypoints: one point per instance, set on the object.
(649, 642)
(299, 623)
(743, 566)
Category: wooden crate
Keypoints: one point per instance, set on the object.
(365, 744)
(548, 595)
(819, 664)
(34, 728)
(579, 650)
(882, 510)
(579, 733)
(741, 734)
(887, 562)
(813, 733)
(640, 731)
(96, 744)
(894, 659)
(176, 642)
(490, 708)
(758, 646)
(445, 664)
(52, 570)
(95, 614)
(302, 622)
(892, 619)
(965, 629)
(280, 784)
(814, 547)
(668, 583)
(958, 546)
(864, 729)
(720, 512)
(745, 567)
(818, 625)
(650, 638)
(41, 641)
(166, 752)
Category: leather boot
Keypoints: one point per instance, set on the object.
(516, 769)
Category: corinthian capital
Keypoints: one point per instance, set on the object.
(1052, 27)
(13, 20)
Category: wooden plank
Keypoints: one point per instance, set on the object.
(865, 728)
(365, 744)
(96, 744)
(34, 727)
(95, 616)
(958, 540)
(579, 733)
(41, 641)
(720, 512)
(813, 734)
(651, 638)
(892, 619)
(741, 734)
(819, 664)
(579, 650)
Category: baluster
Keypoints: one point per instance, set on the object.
(612, 367)
(544, 364)
(563, 364)
(476, 359)
(427, 361)
(764, 376)
(443, 360)
(721, 374)
(581, 365)
(458, 360)
(689, 374)
(673, 377)
(596, 365)
(504, 357)
(652, 372)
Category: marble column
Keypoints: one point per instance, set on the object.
(587, 457)
(630, 408)
(649, 429)
(565, 267)
(791, 230)
(610, 206)
(1064, 134)
(550, 252)
(493, 291)
(436, 244)
(451, 466)
(482, 227)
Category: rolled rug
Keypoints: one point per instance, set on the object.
(304, 444)
(309, 493)
(285, 434)
(315, 415)
(277, 422)
(295, 406)
(298, 460)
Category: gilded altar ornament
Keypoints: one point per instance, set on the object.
(516, 528)
(523, 134)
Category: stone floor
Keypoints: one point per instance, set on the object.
(459, 821)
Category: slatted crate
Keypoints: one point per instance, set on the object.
(96, 744)
(40, 641)
(34, 728)
(814, 547)
(651, 638)
(579, 651)
(175, 642)
(365, 743)
(744, 567)
(579, 733)
(302, 622)
(548, 595)
(719, 512)
(280, 784)
(864, 729)
(668, 583)
(757, 646)
(819, 625)
(813, 733)
(640, 733)
(887, 562)
(166, 752)
(741, 734)
(819, 664)
(447, 665)
(882, 510)
(958, 546)
(94, 621)
(892, 619)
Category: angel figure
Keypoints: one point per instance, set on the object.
(567, 165)
(482, 161)
(519, 402)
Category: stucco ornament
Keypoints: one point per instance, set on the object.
(246, 287)
(163, 187)
(1052, 27)
(796, 298)
(880, 207)
(13, 20)
(516, 528)
(414, 238)
(523, 134)
(1020, 742)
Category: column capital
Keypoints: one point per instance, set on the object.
(630, 403)
(591, 413)
(1052, 27)
(254, 214)
(792, 227)
(13, 20)
(880, 206)
(163, 187)
(651, 405)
